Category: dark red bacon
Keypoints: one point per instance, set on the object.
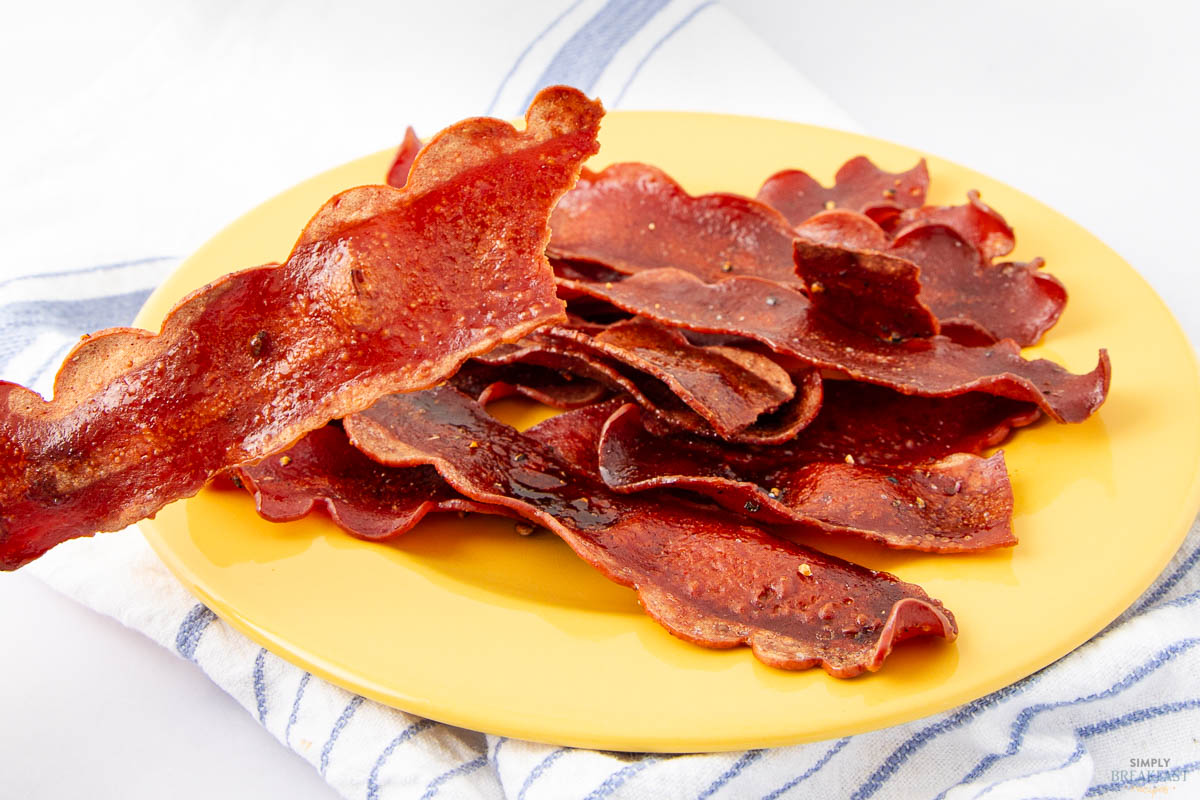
(634, 217)
(402, 164)
(726, 392)
(386, 290)
(366, 499)
(875, 293)
(784, 320)
(975, 221)
(1007, 301)
(706, 576)
(858, 186)
(961, 503)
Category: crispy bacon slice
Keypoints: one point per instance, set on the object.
(858, 186)
(876, 293)
(1008, 301)
(633, 217)
(975, 221)
(844, 228)
(487, 383)
(705, 576)
(976, 301)
(405, 156)
(784, 320)
(366, 499)
(386, 290)
(961, 503)
(728, 388)
(717, 391)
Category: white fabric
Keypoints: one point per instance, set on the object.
(1064, 732)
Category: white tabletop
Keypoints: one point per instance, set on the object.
(1092, 112)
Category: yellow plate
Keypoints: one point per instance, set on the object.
(465, 622)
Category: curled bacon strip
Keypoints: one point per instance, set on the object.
(633, 217)
(487, 383)
(705, 576)
(943, 254)
(1007, 301)
(858, 186)
(366, 499)
(975, 221)
(718, 391)
(386, 290)
(958, 504)
(784, 320)
(731, 390)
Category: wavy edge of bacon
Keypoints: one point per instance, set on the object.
(758, 574)
(114, 443)
(961, 503)
(785, 321)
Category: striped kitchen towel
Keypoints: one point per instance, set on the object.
(1063, 732)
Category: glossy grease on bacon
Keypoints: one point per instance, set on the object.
(386, 290)
(707, 577)
(364, 498)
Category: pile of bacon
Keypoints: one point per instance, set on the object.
(736, 370)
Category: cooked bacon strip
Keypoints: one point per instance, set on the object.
(386, 290)
(728, 388)
(858, 186)
(872, 292)
(487, 383)
(783, 319)
(724, 392)
(1008, 301)
(634, 217)
(366, 499)
(398, 173)
(958, 504)
(975, 221)
(705, 576)
(976, 302)
(844, 228)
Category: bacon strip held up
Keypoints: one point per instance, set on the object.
(387, 290)
(707, 577)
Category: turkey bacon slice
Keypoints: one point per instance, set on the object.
(387, 290)
(785, 321)
(706, 576)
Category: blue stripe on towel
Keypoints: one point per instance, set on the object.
(462, 769)
(813, 770)
(1024, 719)
(287, 732)
(676, 28)
(187, 638)
(260, 685)
(20, 323)
(1156, 594)
(620, 777)
(404, 736)
(581, 60)
(85, 270)
(537, 771)
(521, 58)
(342, 721)
(746, 760)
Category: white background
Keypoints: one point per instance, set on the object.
(1089, 107)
